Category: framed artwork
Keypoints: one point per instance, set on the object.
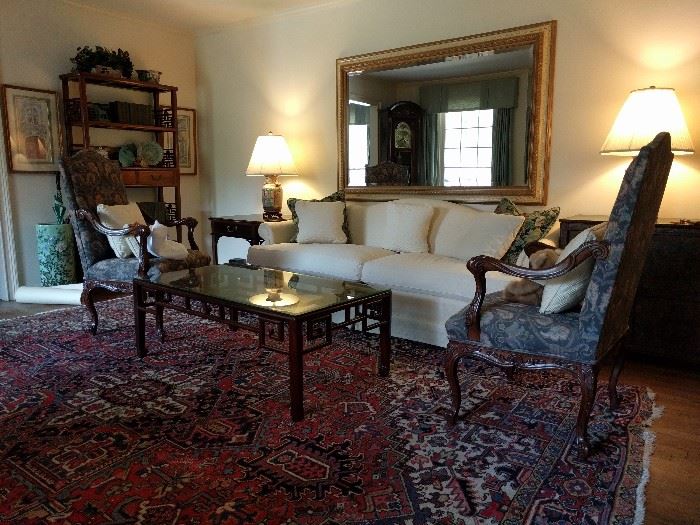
(31, 125)
(187, 140)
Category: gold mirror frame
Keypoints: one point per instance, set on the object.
(541, 36)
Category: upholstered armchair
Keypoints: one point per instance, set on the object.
(88, 179)
(517, 336)
(387, 174)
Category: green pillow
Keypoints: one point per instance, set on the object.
(333, 197)
(536, 225)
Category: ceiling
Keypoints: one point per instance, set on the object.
(198, 15)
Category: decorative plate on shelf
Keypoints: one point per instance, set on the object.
(127, 155)
(150, 153)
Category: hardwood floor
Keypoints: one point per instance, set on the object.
(673, 492)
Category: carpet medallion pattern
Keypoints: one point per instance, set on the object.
(199, 432)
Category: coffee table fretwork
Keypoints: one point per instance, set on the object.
(294, 312)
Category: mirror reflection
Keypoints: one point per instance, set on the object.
(462, 121)
(468, 116)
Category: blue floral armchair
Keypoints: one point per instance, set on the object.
(517, 336)
(88, 179)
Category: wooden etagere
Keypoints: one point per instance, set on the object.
(162, 122)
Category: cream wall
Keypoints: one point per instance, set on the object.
(37, 39)
(279, 74)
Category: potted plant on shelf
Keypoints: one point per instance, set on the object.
(104, 61)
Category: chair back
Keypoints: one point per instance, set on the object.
(89, 179)
(387, 174)
(606, 308)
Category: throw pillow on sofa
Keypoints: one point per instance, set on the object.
(320, 222)
(333, 197)
(116, 217)
(565, 292)
(535, 226)
(465, 232)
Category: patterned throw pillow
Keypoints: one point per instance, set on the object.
(537, 224)
(333, 197)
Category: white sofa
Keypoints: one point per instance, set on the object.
(427, 287)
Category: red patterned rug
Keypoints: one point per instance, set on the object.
(199, 432)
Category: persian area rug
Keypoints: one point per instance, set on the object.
(199, 432)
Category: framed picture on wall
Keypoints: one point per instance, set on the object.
(31, 126)
(186, 140)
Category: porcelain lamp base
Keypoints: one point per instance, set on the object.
(272, 198)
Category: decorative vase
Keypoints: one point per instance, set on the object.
(55, 249)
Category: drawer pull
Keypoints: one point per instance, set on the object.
(156, 176)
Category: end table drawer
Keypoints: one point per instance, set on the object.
(149, 178)
(233, 228)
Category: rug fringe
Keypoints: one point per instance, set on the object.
(649, 446)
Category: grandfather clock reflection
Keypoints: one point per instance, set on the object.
(401, 137)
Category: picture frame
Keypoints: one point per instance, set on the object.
(30, 119)
(186, 140)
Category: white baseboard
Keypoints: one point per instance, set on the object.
(64, 294)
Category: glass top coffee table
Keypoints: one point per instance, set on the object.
(293, 311)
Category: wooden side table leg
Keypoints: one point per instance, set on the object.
(214, 248)
(384, 358)
(296, 370)
(139, 320)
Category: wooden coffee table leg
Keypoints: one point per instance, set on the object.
(384, 357)
(296, 370)
(139, 321)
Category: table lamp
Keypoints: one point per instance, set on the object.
(271, 158)
(645, 113)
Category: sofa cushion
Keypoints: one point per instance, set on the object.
(428, 273)
(536, 225)
(407, 227)
(343, 261)
(465, 232)
(333, 197)
(321, 222)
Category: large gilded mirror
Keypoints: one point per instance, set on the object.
(468, 118)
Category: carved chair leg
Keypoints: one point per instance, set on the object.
(614, 376)
(451, 362)
(88, 299)
(588, 377)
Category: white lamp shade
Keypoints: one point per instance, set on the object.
(645, 113)
(271, 156)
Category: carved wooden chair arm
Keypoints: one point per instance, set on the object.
(481, 264)
(140, 231)
(191, 224)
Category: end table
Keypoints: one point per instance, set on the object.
(238, 226)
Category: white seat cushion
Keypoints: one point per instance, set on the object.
(343, 261)
(428, 273)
